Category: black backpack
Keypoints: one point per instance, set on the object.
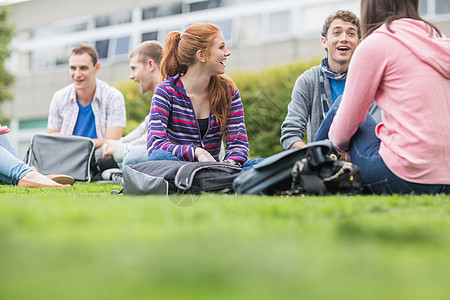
(166, 177)
(309, 170)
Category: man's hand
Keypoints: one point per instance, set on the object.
(108, 148)
(203, 156)
(52, 131)
(4, 129)
(297, 144)
(112, 133)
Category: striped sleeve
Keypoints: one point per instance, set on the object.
(160, 116)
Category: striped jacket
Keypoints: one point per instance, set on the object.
(173, 126)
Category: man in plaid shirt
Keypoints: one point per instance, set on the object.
(87, 107)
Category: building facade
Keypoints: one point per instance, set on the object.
(259, 33)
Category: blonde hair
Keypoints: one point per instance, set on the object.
(148, 50)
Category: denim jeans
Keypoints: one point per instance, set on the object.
(376, 176)
(12, 169)
(164, 155)
(136, 155)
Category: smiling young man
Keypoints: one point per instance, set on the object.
(87, 107)
(317, 88)
(144, 70)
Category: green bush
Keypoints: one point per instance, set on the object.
(137, 104)
(265, 95)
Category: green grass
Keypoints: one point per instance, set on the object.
(85, 243)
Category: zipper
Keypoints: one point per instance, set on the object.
(207, 130)
(196, 122)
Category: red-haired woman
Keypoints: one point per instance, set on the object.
(197, 106)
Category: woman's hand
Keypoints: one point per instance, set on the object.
(203, 156)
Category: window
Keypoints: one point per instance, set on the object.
(279, 23)
(113, 19)
(112, 48)
(227, 30)
(194, 5)
(149, 13)
(163, 33)
(102, 21)
(102, 48)
(62, 54)
(122, 46)
(150, 36)
(161, 11)
(423, 7)
(71, 28)
(442, 7)
(200, 5)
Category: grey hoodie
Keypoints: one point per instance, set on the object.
(305, 109)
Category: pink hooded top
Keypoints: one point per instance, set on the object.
(407, 72)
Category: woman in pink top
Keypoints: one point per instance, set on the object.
(403, 63)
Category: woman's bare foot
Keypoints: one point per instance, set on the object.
(35, 179)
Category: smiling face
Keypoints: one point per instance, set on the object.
(83, 71)
(140, 73)
(340, 43)
(217, 54)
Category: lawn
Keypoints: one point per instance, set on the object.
(85, 243)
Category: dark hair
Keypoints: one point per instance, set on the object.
(375, 13)
(85, 48)
(148, 50)
(344, 15)
(180, 52)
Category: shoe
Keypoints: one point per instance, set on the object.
(35, 179)
(62, 179)
(114, 175)
(32, 184)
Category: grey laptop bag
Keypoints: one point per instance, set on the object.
(57, 154)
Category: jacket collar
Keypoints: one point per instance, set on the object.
(175, 81)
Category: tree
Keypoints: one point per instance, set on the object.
(6, 34)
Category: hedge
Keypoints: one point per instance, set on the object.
(265, 95)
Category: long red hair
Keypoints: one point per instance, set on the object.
(180, 52)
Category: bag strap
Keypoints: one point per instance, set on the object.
(186, 173)
(315, 155)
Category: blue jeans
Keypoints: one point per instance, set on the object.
(376, 176)
(164, 155)
(12, 169)
(136, 155)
